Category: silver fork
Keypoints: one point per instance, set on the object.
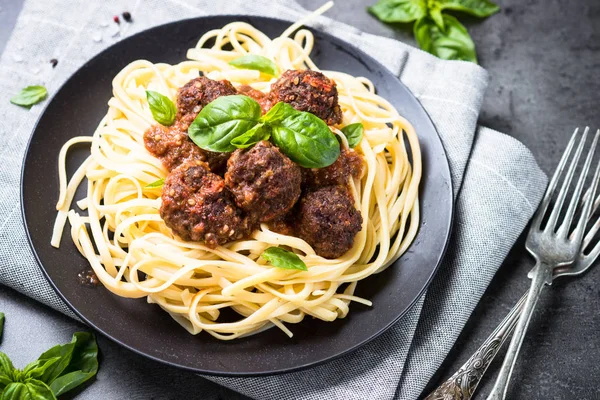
(463, 383)
(551, 248)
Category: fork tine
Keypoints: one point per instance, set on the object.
(562, 194)
(585, 214)
(566, 224)
(590, 235)
(539, 215)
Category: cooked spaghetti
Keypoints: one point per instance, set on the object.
(135, 254)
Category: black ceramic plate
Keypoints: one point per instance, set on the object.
(77, 108)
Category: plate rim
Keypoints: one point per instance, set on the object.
(236, 17)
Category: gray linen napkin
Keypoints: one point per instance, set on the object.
(496, 180)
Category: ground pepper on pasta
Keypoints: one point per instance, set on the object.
(123, 232)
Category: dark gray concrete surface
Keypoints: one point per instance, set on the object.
(544, 61)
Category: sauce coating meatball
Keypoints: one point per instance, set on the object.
(309, 91)
(173, 147)
(349, 164)
(264, 182)
(197, 206)
(328, 221)
(197, 93)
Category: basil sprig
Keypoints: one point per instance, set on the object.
(255, 62)
(285, 259)
(156, 184)
(231, 122)
(436, 32)
(354, 133)
(56, 371)
(29, 96)
(162, 108)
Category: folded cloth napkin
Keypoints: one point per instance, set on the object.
(497, 183)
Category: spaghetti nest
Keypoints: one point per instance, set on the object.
(134, 254)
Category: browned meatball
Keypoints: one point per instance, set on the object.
(328, 221)
(197, 93)
(264, 182)
(309, 91)
(261, 98)
(196, 205)
(173, 146)
(349, 164)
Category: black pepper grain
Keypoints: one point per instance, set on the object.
(127, 16)
(54, 61)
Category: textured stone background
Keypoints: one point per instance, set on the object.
(544, 61)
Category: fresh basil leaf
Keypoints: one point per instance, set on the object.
(29, 96)
(452, 43)
(354, 134)
(6, 371)
(399, 10)
(83, 365)
(278, 112)
(306, 139)
(32, 389)
(281, 258)
(5, 363)
(38, 368)
(155, 184)
(162, 108)
(222, 120)
(436, 15)
(255, 62)
(63, 352)
(253, 136)
(1, 325)
(477, 8)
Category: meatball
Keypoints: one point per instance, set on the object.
(349, 164)
(197, 206)
(328, 221)
(309, 91)
(173, 146)
(197, 93)
(261, 98)
(264, 182)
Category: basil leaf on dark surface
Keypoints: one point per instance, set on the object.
(29, 96)
(156, 184)
(63, 352)
(476, 8)
(6, 371)
(436, 15)
(255, 62)
(37, 368)
(451, 43)
(222, 120)
(306, 139)
(353, 133)
(83, 364)
(399, 10)
(253, 136)
(31, 389)
(281, 258)
(278, 112)
(162, 108)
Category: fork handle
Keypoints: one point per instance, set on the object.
(462, 385)
(540, 275)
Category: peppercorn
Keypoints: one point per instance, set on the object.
(54, 61)
(116, 19)
(127, 16)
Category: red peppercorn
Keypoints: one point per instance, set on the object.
(116, 19)
(54, 61)
(127, 16)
